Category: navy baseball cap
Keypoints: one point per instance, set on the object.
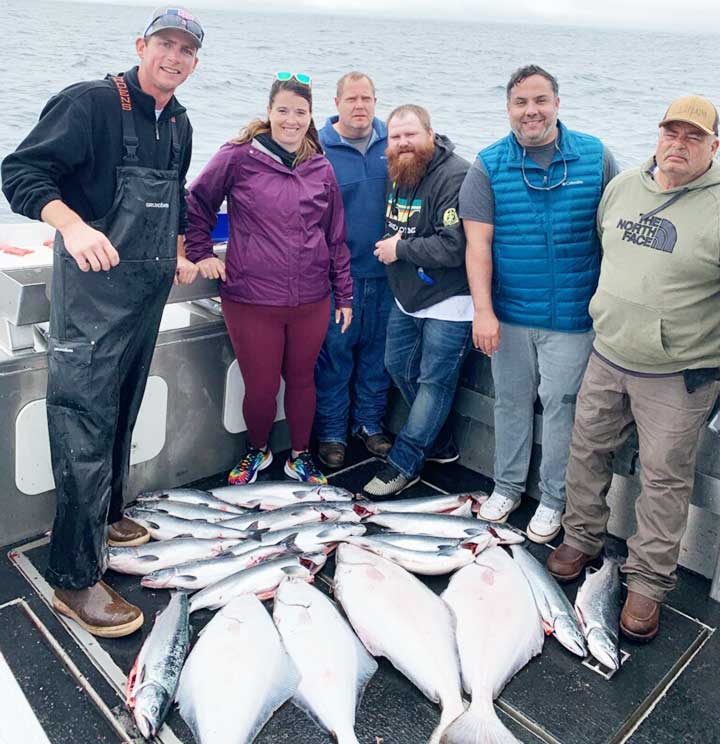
(178, 19)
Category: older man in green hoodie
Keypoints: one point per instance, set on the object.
(656, 357)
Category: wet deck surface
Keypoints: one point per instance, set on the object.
(666, 692)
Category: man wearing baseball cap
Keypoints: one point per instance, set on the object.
(105, 165)
(655, 360)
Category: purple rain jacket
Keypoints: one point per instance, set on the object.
(286, 244)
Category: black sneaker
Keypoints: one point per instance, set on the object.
(388, 482)
(443, 457)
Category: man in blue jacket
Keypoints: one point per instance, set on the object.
(351, 380)
(528, 207)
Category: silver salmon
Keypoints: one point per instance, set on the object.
(261, 580)
(195, 575)
(156, 555)
(314, 536)
(189, 496)
(457, 504)
(185, 511)
(288, 516)
(153, 679)
(166, 527)
(557, 613)
(273, 494)
(445, 525)
(598, 604)
(424, 562)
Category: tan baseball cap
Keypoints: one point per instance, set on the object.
(694, 110)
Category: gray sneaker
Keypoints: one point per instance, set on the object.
(388, 482)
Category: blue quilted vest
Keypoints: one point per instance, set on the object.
(546, 253)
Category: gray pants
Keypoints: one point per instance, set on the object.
(668, 420)
(532, 362)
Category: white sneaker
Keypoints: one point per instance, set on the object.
(544, 525)
(497, 508)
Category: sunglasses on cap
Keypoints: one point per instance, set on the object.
(176, 18)
(301, 77)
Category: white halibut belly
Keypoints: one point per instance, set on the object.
(498, 626)
(333, 664)
(397, 616)
(236, 676)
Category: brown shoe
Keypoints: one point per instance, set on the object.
(331, 454)
(640, 617)
(127, 534)
(376, 444)
(99, 609)
(566, 563)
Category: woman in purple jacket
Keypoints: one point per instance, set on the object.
(286, 252)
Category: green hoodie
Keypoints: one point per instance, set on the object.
(657, 305)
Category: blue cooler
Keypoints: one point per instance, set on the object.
(220, 233)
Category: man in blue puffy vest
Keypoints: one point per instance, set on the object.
(352, 384)
(528, 207)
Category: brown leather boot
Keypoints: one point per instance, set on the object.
(640, 617)
(127, 534)
(99, 609)
(566, 563)
(376, 444)
(332, 454)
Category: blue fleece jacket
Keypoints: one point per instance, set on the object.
(362, 185)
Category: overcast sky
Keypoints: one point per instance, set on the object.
(671, 15)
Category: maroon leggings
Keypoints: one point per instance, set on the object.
(272, 341)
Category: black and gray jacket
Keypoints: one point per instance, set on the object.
(433, 237)
(72, 152)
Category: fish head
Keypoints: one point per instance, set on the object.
(604, 648)
(478, 498)
(152, 704)
(313, 561)
(506, 535)
(156, 579)
(478, 543)
(332, 493)
(568, 633)
(364, 509)
(152, 495)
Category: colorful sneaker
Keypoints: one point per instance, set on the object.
(303, 468)
(247, 469)
(388, 482)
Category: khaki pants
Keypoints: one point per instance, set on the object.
(668, 421)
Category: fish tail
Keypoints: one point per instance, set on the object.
(478, 725)
(450, 713)
(346, 737)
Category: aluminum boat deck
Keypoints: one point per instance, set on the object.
(60, 685)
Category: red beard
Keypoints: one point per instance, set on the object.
(409, 171)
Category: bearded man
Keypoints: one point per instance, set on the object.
(430, 326)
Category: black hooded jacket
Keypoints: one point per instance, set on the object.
(72, 152)
(433, 237)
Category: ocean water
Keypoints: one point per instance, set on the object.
(615, 84)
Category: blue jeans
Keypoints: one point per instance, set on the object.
(424, 357)
(350, 377)
(532, 362)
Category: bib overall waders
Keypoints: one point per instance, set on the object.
(103, 329)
